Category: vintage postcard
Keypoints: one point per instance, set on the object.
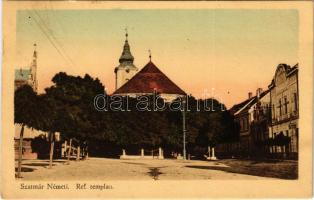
(109, 99)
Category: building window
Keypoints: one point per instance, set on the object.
(295, 98)
(279, 107)
(241, 124)
(285, 105)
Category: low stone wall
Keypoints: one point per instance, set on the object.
(134, 157)
(143, 156)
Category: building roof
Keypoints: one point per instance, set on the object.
(126, 56)
(288, 70)
(22, 74)
(247, 104)
(126, 59)
(29, 133)
(148, 80)
(235, 108)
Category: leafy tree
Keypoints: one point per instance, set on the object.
(48, 123)
(208, 123)
(72, 113)
(25, 114)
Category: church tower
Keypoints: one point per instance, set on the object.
(126, 69)
(33, 70)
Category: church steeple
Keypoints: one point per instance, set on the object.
(33, 69)
(126, 69)
(35, 55)
(126, 56)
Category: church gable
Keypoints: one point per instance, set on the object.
(148, 80)
(22, 74)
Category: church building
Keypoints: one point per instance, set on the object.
(27, 75)
(148, 80)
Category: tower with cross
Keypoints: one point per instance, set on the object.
(126, 69)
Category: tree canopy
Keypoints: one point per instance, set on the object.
(70, 101)
(68, 107)
(25, 107)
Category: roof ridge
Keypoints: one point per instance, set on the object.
(148, 79)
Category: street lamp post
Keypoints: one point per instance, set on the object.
(184, 130)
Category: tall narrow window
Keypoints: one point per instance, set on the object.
(285, 105)
(241, 125)
(295, 98)
(279, 107)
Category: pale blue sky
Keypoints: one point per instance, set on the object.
(230, 50)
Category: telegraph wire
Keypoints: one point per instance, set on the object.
(53, 37)
(50, 40)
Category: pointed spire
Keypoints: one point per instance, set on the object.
(33, 69)
(126, 56)
(35, 52)
(126, 34)
(34, 62)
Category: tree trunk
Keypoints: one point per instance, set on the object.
(20, 153)
(52, 143)
(64, 154)
(70, 149)
(83, 153)
(86, 152)
(284, 155)
(78, 152)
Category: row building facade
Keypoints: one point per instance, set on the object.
(268, 121)
(284, 98)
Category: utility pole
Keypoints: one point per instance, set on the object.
(184, 130)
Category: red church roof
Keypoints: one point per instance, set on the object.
(147, 80)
